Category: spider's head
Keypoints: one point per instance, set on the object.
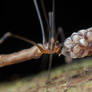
(57, 47)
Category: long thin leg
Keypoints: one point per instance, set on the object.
(60, 33)
(51, 40)
(40, 20)
(48, 29)
(4, 37)
(8, 34)
(51, 36)
(68, 59)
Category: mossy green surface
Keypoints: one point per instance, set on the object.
(74, 77)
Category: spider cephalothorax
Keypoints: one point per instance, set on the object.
(55, 49)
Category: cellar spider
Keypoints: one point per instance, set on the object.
(78, 45)
(48, 46)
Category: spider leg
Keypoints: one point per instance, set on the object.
(51, 36)
(4, 37)
(67, 58)
(9, 34)
(40, 21)
(60, 33)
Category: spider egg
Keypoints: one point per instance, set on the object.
(90, 29)
(89, 36)
(68, 43)
(82, 32)
(83, 42)
(85, 53)
(75, 38)
(76, 48)
(73, 55)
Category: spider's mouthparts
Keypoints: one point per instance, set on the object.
(60, 54)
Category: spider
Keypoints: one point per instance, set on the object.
(78, 45)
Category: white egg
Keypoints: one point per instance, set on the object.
(76, 38)
(89, 36)
(83, 42)
(82, 32)
(76, 48)
(85, 53)
(90, 29)
(68, 43)
(73, 55)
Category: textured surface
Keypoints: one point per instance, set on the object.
(79, 44)
(75, 77)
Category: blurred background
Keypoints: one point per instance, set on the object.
(20, 17)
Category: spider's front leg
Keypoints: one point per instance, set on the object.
(34, 52)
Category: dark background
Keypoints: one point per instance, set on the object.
(19, 17)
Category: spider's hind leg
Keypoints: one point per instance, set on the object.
(67, 58)
(60, 33)
(4, 37)
(9, 34)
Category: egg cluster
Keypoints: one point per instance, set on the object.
(79, 44)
